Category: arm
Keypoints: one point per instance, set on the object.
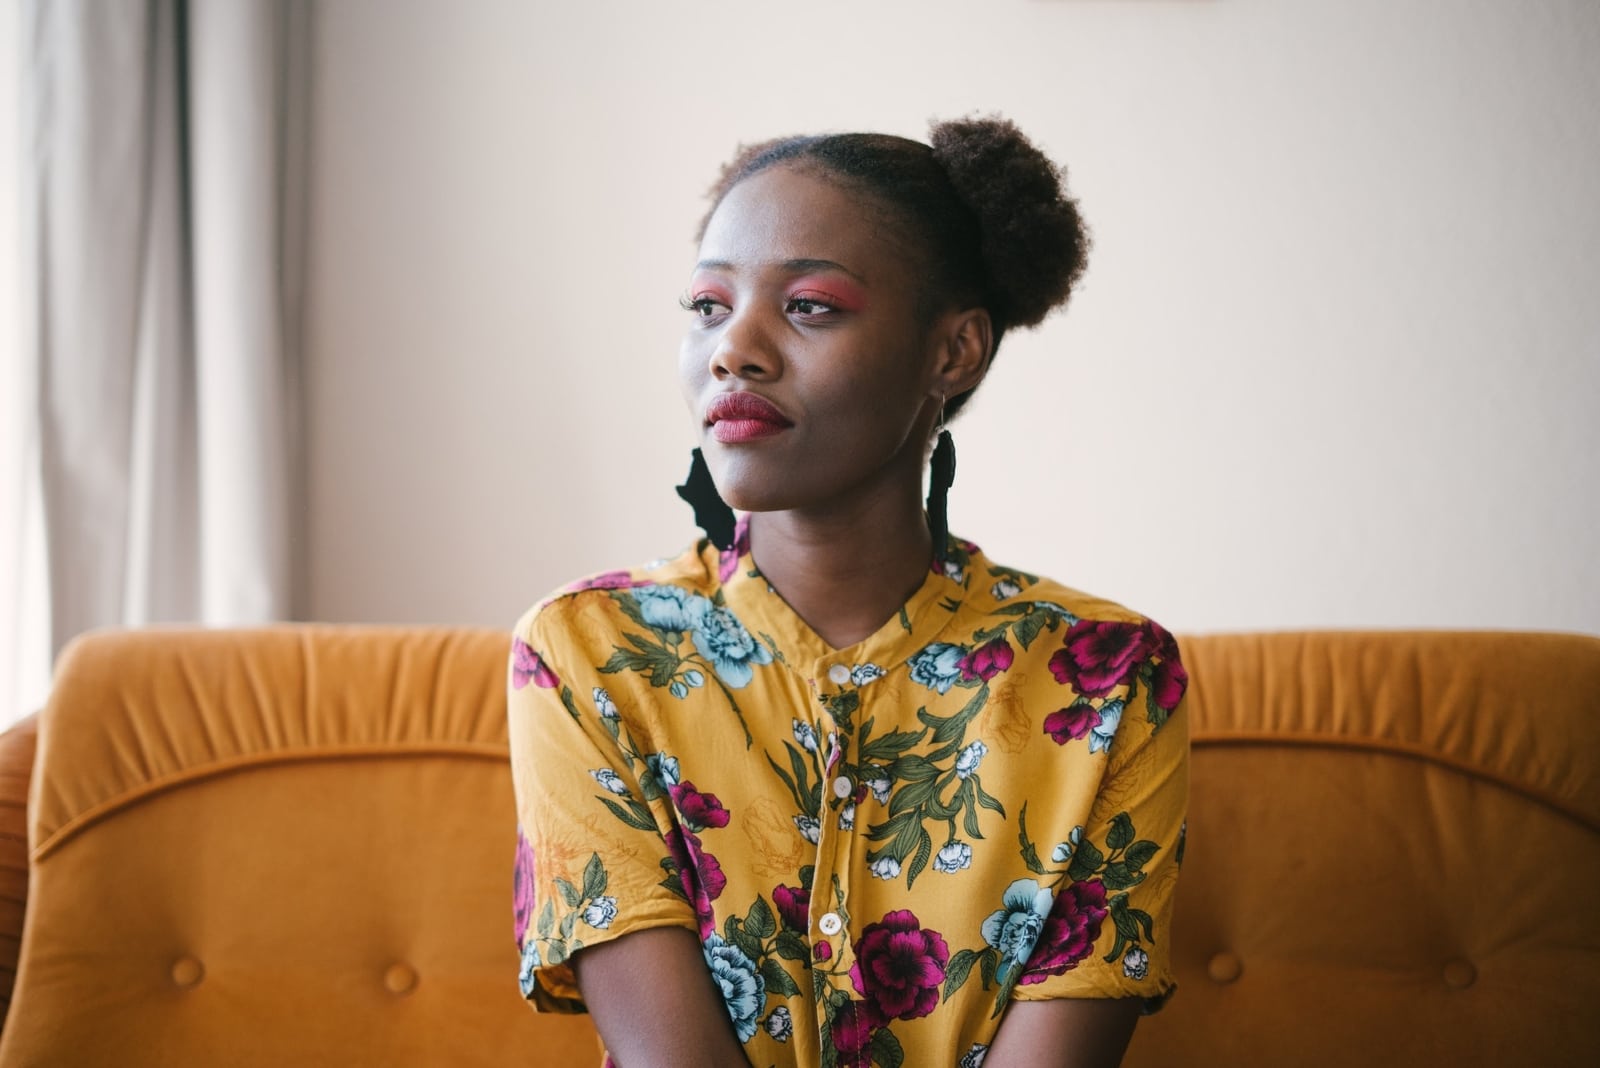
(655, 1004)
(1064, 1033)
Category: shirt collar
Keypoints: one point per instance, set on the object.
(925, 614)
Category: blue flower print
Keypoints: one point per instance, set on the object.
(1101, 733)
(670, 608)
(530, 961)
(970, 758)
(1062, 854)
(610, 780)
(938, 667)
(780, 1025)
(723, 641)
(744, 991)
(663, 767)
(1015, 928)
(954, 857)
(862, 674)
(600, 913)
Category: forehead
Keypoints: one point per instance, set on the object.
(792, 213)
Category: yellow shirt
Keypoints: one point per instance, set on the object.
(881, 846)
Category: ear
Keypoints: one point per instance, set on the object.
(965, 342)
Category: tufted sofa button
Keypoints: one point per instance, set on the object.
(1459, 974)
(400, 979)
(187, 972)
(1224, 967)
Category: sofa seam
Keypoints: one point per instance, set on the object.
(83, 820)
(1414, 751)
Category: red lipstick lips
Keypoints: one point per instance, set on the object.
(744, 416)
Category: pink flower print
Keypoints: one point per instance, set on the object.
(1097, 656)
(1070, 931)
(700, 874)
(1071, 723)
(728, 559)
(522, 873)
(899, 966)
(1169, 680)
(987, 661)
(1168, 683)
(1162, 643)
(699, 810)
(794, 907)
(528, 666)
(851, 1029)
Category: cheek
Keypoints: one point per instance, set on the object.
(693, 370)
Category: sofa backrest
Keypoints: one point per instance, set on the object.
(1393, 853)
(281, 847)
(293, 846)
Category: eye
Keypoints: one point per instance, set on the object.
(703, 307)
(808, 304)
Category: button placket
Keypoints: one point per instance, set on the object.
(830, 884)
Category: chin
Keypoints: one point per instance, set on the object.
(751, 486)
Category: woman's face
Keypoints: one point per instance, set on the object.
(804, 300)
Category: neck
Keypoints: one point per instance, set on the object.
(846, 568)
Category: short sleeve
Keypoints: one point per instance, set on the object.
(1123, 863)
(593, 822)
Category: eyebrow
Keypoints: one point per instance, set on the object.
(797, 266)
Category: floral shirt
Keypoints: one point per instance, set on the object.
(880, 847)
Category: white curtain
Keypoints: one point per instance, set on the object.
(162, 216)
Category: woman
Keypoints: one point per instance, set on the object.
(832, 787)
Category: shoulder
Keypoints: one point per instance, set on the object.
(599, 605)
(1097, 647)
(995, 589)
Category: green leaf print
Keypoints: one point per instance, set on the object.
(635, 815)
(569, 893)
(547, 919)
(1154, 712)
(760, 921)
(779, 981)
(887, 749)
(957, 970)
(1139, 854)
(1121, 832)
(649, 658)
(790, 946)
(920, 860)
(571, 705)
(1118, 876)
(594, 878)
(1030, 855)
(1086, 860)
(886, 1050)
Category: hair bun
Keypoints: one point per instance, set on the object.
(1035, 245)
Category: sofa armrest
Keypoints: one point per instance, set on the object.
(16, 773)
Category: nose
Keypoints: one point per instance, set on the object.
(745, 348)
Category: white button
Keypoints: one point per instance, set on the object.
(838, 674)
(830, 924)
(843, 787)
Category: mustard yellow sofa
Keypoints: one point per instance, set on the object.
(292, 846)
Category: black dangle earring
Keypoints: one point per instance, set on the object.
(941, 475)
(711, 512)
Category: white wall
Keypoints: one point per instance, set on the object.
(1337, 360)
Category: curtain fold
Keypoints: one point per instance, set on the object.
(164, 175)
